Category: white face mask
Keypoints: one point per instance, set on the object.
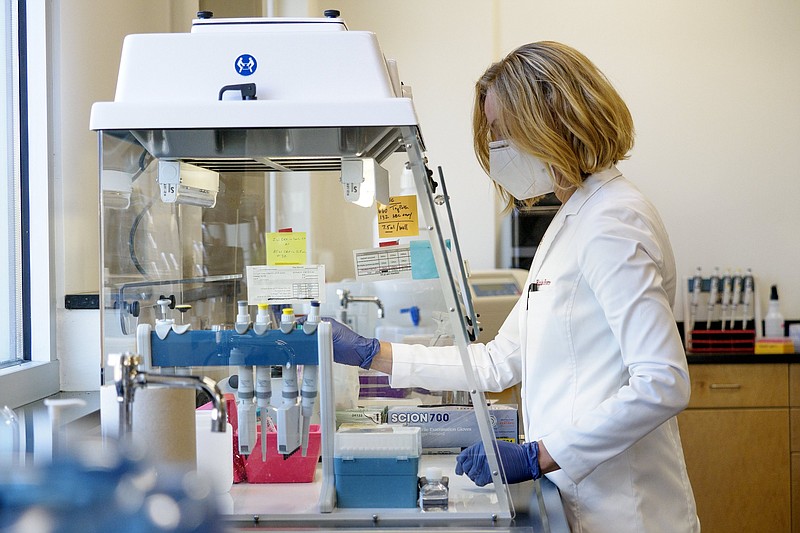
(521, 174)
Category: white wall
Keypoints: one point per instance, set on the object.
(713, 88)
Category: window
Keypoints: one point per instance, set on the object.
(11, 337)
(28, 364)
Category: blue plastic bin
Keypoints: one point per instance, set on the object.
(376, 481)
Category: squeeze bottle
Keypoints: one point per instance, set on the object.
(773, 322)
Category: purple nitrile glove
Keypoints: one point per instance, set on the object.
(520, 462)
(350, 348)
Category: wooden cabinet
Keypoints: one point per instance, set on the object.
(736, 440)
(794, 416)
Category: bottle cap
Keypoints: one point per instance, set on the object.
(433, 473)
(773, 294)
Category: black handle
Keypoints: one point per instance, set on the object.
(248, 90)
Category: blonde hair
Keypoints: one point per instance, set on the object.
(554, 103)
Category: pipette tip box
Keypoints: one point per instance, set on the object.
(377, 467)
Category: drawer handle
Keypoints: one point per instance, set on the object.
(725, 386)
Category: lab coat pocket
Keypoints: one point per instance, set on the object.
(539, 314)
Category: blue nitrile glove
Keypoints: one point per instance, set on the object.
(350, 348)
(520, 462)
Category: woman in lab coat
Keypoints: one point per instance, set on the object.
(592, 340)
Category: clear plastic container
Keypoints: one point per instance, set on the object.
(434, 494)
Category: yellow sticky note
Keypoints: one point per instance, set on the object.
(286, 248)
(399, 218)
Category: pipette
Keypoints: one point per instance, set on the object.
(737, 295)
(263, 379)
(245, 410)
(308, 396)
(263, 321)
(712, 298)
(308, 389)
(263, 398)
(748, 298)
(242, 318)
(289, 413)
(726, 297)
(697, 286)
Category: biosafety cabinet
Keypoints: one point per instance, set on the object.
(239, 163)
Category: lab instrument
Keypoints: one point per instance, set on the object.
(223, 139)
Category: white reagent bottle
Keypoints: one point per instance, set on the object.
(773, 321)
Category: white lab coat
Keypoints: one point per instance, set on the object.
(600, 359)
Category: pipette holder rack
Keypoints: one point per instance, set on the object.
(209, 348)
(705, 332)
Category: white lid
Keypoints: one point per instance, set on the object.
(433, 473)
(378, 441)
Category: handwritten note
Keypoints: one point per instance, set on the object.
(286, 248)
(399, 218)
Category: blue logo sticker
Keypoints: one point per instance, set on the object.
(245, 64)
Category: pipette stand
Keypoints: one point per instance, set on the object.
(198, 348)
(729, 334)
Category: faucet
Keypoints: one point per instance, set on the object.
(128, 377)
(346, 298)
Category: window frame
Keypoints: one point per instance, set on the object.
(38, 375)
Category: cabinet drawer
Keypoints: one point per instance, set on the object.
(796, 493)
(794, 384)
(794, 430)
(748, 385)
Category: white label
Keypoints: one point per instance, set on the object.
(285, 284)
(391, 262)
